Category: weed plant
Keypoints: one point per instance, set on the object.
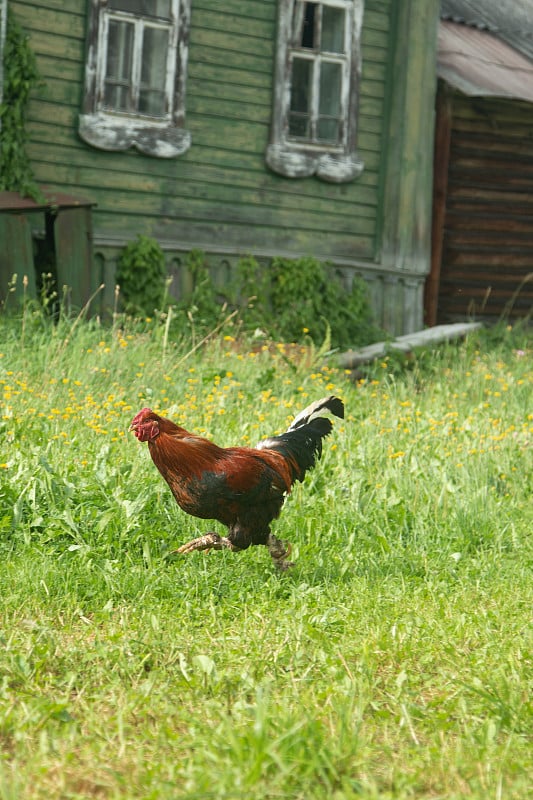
(270, 299)
(393, 661)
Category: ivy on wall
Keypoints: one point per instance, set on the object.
(20, 76)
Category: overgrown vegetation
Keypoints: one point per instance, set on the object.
(393, 661)
(141, 276)
(289, 300)
(20, 76)
(303, 297)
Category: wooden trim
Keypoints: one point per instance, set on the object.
(338, 163)
(441, 160)
(405, 224)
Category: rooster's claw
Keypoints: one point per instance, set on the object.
(210, 541)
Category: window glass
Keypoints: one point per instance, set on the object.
(117, 93)
(143, 8)
(299, 117)
(333, 29)
(153, 72)
(330, 102)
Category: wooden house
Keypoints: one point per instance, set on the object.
(262, 127)
(482, 242)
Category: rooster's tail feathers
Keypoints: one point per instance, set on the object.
(301, 445)
(330, 403)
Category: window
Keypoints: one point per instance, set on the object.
(316, 97)
(135, 76)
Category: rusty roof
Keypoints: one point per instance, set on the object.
(509, 20)
(478, 63)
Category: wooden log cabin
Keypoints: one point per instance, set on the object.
(262, 127)
(482, 241)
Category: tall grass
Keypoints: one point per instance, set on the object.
(393, 661)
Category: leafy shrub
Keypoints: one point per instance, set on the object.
(202, 304)
(142, 276)
(290, 300)
(297, 298)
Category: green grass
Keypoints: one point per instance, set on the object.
(393, 661)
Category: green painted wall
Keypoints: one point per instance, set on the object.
(220, 196)
(220, 191)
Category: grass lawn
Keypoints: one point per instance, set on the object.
(393, 661)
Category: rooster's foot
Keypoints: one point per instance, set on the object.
(279, 550)
(210, 541)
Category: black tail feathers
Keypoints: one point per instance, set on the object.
(330, 403)
(302, 443)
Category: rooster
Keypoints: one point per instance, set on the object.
(244, 488)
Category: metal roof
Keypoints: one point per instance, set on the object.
(509, 20)
(479, 63)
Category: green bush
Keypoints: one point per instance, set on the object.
(142, 276)
(293, 299)
(202, 306)
(288, 300)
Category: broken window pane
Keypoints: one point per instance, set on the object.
(153, 72)
(309, 25)
(118, 72)
(333, 29)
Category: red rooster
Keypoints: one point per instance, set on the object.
(242, 487)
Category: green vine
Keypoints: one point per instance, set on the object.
(20, 76)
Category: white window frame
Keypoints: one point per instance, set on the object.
(111, 129)
(297, 157)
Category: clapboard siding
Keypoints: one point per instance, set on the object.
(222, 180)
(488, 233)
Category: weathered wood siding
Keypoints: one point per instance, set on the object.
(487, 247)
(220, 194)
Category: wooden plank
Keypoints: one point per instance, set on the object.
(230, 205)
(16, 256)
(40, 19)
(73, 247)
(428, 337)
(501, 146)
(259, 48)
(482, 221)
(441, 159)
(151, 193)
(218, 19)
(255, 9)
(489, 260)
(66, 6)
(488, 249)
(405, 225)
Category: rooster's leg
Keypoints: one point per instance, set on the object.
(279, 550)
(209, 541)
